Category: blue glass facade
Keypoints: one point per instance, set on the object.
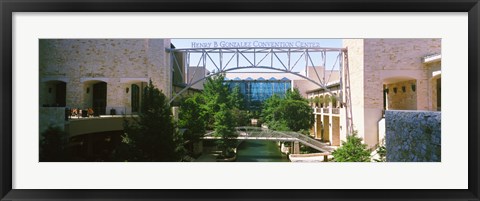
(257, 91)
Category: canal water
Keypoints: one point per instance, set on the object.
(260, 151)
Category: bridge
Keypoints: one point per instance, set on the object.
(257, 133)
(277, 59)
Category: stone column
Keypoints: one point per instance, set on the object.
(296, 147)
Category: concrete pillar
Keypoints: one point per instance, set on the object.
(296, 147)
(326, 128)
(330, 127)
(175, 112)
(422, 94)
(318, 126)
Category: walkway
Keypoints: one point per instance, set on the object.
(257, 133)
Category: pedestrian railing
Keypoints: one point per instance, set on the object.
(257, 133)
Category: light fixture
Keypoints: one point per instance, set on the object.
(127, 90)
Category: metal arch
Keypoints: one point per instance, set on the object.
(238, 52)
(344, 96)
(250, 67)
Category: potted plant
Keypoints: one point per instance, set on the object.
(317, 101)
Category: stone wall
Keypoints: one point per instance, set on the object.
(413, 136)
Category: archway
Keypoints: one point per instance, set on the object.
(99, 103)
(400, 93)
(56, 94)
(95, 96)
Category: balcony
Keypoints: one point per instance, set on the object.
(326, 110)
(96, 124)
(78, 113)
(335, 110)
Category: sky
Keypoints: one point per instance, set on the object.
(195, 58)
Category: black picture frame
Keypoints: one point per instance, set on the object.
(7, 7)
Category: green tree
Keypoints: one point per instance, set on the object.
(297, 114)
(290, 113)
(52, 145)
(214, 93)
(236, 98)
(224, 128)
(191, 118)
(294, 95)
(353, 150)
(241, 116)
(218, 103)
(153, 135)
(270, 113)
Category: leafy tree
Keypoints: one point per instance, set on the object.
(297, 114)
(294, 95)
(279, 125)
(52, 145)
(240, 117)
(290, 113)
(236, 98)
(153, 135)
(224, 128)
(214, 94)
(191, 116)
(270, 113)
(218, 104)
(353, 150)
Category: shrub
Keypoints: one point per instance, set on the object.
(52, 145)
(353, 150)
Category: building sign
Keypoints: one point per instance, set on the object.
(259, 44)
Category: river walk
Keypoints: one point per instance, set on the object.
(249, 151)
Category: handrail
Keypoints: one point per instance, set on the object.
(266, 134)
